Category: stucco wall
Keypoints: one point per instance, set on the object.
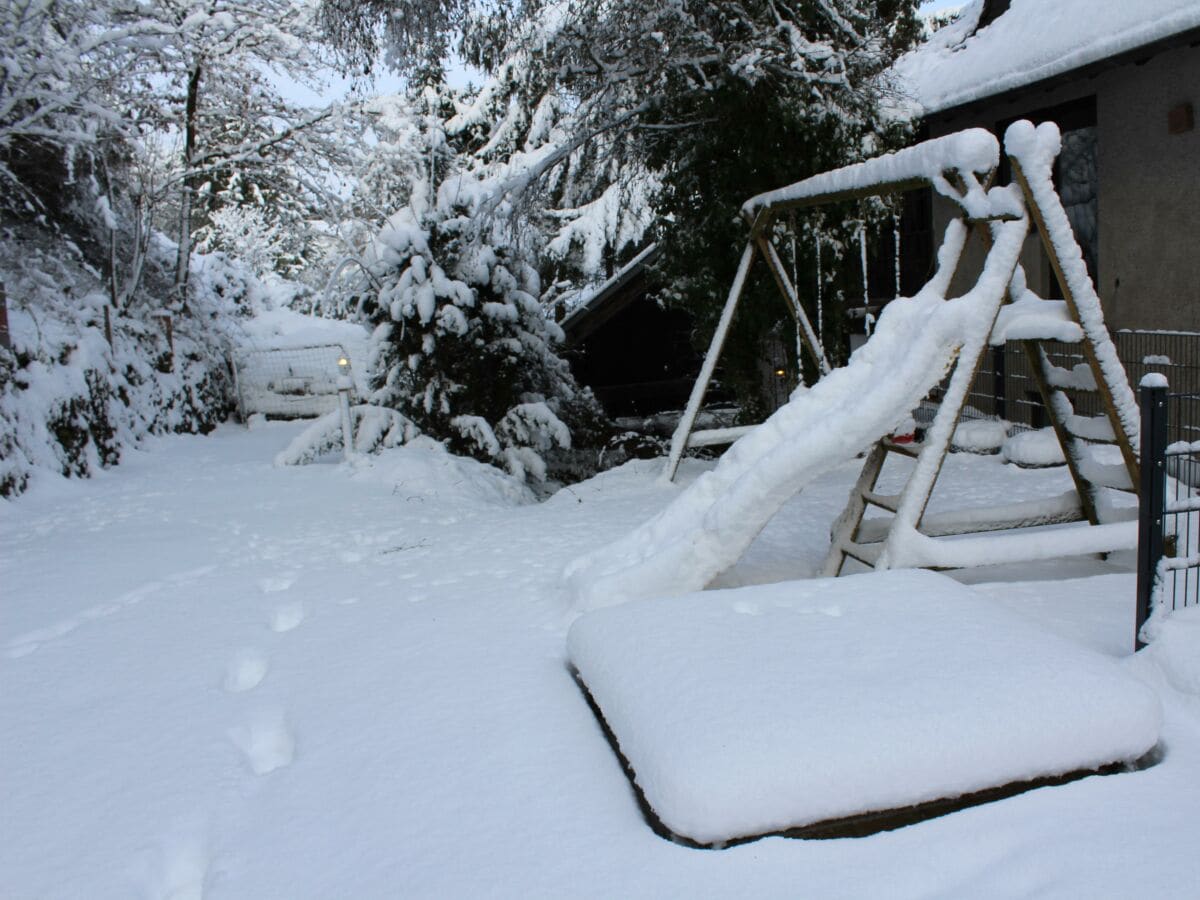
(1149, 191)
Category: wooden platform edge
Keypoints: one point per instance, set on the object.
(860, 824)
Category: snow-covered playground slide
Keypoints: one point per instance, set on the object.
(708, 526)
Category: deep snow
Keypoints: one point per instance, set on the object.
(228, 679)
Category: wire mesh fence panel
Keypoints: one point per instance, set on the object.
(289, 383)
(1169, 517)
(1179, 573)
(1006, 388)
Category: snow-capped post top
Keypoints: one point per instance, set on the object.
(973, 150)
(1026, 142)
(1153, 380)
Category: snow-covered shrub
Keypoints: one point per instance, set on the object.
(1033, 449)
(69, 401)
(979, 436)
(462, 345)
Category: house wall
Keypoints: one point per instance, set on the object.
(1149, 189)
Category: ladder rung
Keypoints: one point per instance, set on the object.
(867, 554)
(913, 450)
(1036, 320)
(890, 502)
(711, 436)
(1109, 475)
(1021, 514)
(1079, 379)
(954, 553)
(1094, 429)
(1126, 489)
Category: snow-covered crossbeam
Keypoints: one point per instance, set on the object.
(756, 710)
(973, 150)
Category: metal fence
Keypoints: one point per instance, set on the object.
(289, 383)
(1006, 388)
(1169, 516)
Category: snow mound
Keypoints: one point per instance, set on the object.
(1175, 647)
(979, 436)
(748, 711)
(424, 470)
(1034, 449)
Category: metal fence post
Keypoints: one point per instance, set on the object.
(1152, 493)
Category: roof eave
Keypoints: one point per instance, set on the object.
(1136, 56)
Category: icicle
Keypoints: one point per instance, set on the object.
(820, 293)
(862, 252)
(896, 250)
(796, 282)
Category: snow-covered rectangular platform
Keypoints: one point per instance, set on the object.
(763, 709)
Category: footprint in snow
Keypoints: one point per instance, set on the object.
(287, 617)
(245, 671)
(265, 741)
(275, 583)
(185, 871)
(27, 643)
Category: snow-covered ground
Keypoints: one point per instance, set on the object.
(220, 678)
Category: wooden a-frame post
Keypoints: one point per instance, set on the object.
(759, 244)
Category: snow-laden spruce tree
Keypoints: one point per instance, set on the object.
(463, 347)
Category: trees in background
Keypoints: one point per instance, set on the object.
(599, 126)
(686, 108)
(206, 92)
(122, 115)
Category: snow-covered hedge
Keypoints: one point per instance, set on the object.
(69, 402)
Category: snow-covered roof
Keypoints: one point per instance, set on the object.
(1029, 42)
(591, 300)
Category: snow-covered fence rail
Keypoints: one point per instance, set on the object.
(291, 382)
(1169, 516)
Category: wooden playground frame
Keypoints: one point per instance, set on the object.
(892, 545)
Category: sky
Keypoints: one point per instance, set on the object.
(939, 5)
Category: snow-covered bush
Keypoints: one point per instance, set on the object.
(462, 346)
(1033, 449)
(979, 436)
(70, 402)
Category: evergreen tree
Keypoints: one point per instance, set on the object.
(463, 348)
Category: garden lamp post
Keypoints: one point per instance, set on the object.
(345, 384)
